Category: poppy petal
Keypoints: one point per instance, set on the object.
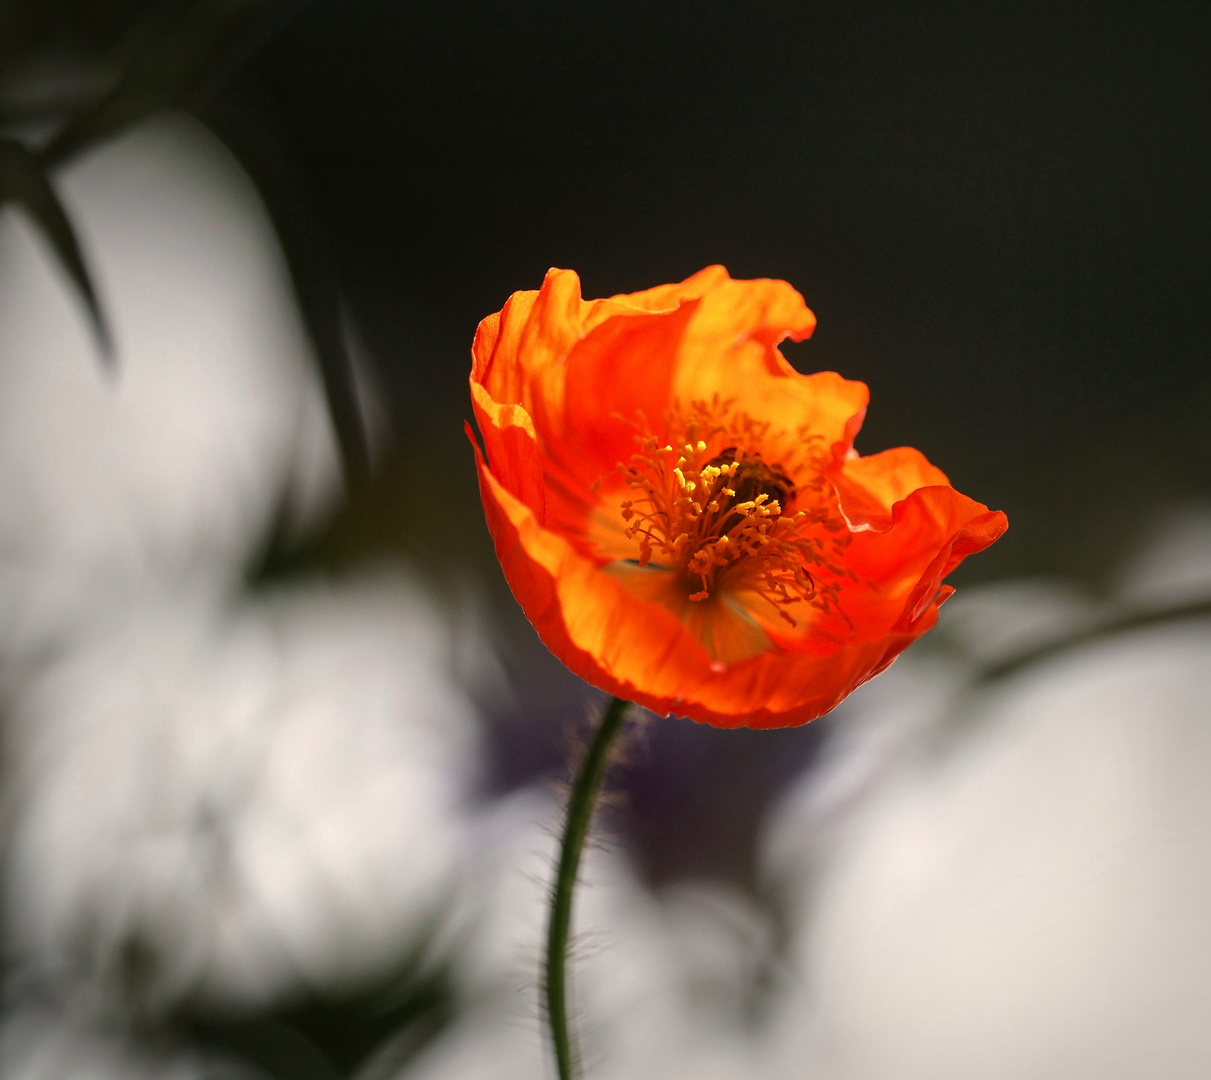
(561, 387)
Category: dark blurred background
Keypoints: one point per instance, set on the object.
(998, 214)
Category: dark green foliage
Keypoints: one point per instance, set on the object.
(23, 180)
(368, 1032)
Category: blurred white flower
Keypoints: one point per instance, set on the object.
(234, 803)
(891, 718)
(207, 794)
(174, 466)
(1027, 893)
(995, 880)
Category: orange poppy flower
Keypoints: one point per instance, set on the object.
(682, 516)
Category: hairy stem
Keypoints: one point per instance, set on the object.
(576, 828)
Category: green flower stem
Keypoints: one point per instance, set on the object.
(576, 829)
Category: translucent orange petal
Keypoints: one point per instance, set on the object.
(557, 384)
(868, 487)
(668, 297)
(509, 440)
(730, 350)
(519, 352)
(621, 370)
(525, 355)
(899, 570)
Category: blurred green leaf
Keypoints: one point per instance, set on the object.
(312, 270)
(369, 1032)
(23, 180)
(1123, 623)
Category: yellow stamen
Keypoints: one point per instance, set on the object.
(721, 509)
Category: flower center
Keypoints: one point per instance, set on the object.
(744, 482)
(708, 504)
